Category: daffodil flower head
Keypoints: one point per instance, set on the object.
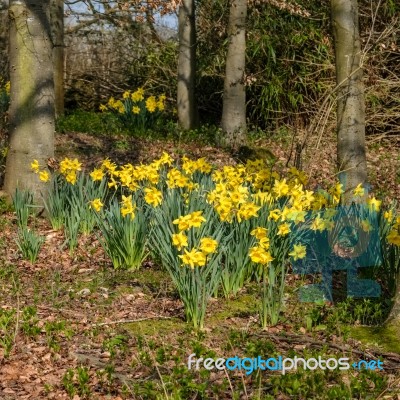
(260, 255)
(96, 204)
(179, 240)
(35, 166)
(208, 245)
(298, 252)
(44, 176)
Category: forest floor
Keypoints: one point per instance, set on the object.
(72, 327)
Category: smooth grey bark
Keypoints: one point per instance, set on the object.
(186, 104)
(233, 122)
(31, 113)
(57, 33)
(351, 156)
(394, 315)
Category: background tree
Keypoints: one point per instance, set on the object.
(31, 113)
(233, 120)
(57, 32)
(350, 94)
(186, 104)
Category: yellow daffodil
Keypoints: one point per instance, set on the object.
(151, 104)
(97, 174)
(283, 229)
(388, 215)
(318, 224)
(35, 166)
(281, 188)
(182, 222)
(299, 252)
(296, 216)
(44, 176)
(67, 165)
(274, 214)
(359, 191)
(153, 196)
(127, 207)
(138, 95)
(179, 240)
(259, 233)
(160, 105)
(264, 243)
(71, 177)
(260, 256)
(76, 165)
(208, 245)
(193, 258)
(166, 159)
(374, 204)
(246, 211)
(96, 204)
(394, 237)
(196, 219)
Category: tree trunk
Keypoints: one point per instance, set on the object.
(57, 32)
(350, 103)
(187, 109)
(31, 113)
(233, 121)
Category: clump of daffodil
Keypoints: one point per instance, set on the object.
(257, 209)
(44, 175)
(69, 168)
(135, 110)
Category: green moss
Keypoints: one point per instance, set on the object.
(151, 276)
(242, 305)
(386, 338)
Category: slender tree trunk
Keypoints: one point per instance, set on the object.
(233, 121)
(57, 32)
(350, 102)
(31, 113)
(394, 316)
(187, 108)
